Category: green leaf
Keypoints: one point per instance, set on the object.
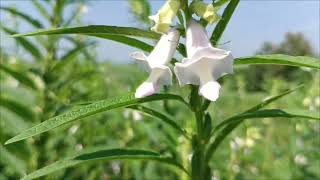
(257, 107)
(27, 45)
(182, 49)
(19, 76)
(17, 108)
(222, 24)
(91, 109)
(229, 128)
(168, 120)
(96, 30)
(104, 155)
(137, 43)
(237, 120)
(280, 59)
(269, 100)
(267, 113)
(41, 9)
(23, 16)
(58, 11)
(207, 127)
(126, 40)
(114, 33)
(220, 3)
(69, 56)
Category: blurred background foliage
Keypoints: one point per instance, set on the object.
(58, 78)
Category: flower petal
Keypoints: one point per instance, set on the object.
(204, 64)
(196, 38)
(210, 90)
(141, 59)
(147, 89)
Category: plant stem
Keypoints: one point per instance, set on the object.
(199, 167)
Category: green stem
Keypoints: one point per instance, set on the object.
(199, 167)
(185, 8)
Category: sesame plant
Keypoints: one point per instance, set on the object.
(40, 91)
(199, 70)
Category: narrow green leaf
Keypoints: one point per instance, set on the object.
(104, 155)
(237, 120)
(257, 107)
(269, 100)
(96, 30)
(27, 45)
(229, 127)
(17, 108)
(182, 49)
(168, 120)
(222, 24)
(280, 59)
(220, 3)
(268, 113)
(11, 123)
(136, 43)
(58, 11)
(114, 33)
(126, 40)
(23, 16)
(91, 109)
(41, 9)
(19, 76)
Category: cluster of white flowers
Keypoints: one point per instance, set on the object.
(203, 65)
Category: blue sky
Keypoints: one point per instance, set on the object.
(254, 22)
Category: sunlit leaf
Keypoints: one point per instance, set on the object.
(96, 30)
(280, 59)
(23, 16)
(91, 109)
(104, 155)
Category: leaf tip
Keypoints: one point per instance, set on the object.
(9, 141)
(15, 35)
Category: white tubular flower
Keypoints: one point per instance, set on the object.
(156, 64)
(205, 64)
(206, 11)
(164, 17)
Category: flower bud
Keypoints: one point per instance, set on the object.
(205, 11)
(164, 17)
